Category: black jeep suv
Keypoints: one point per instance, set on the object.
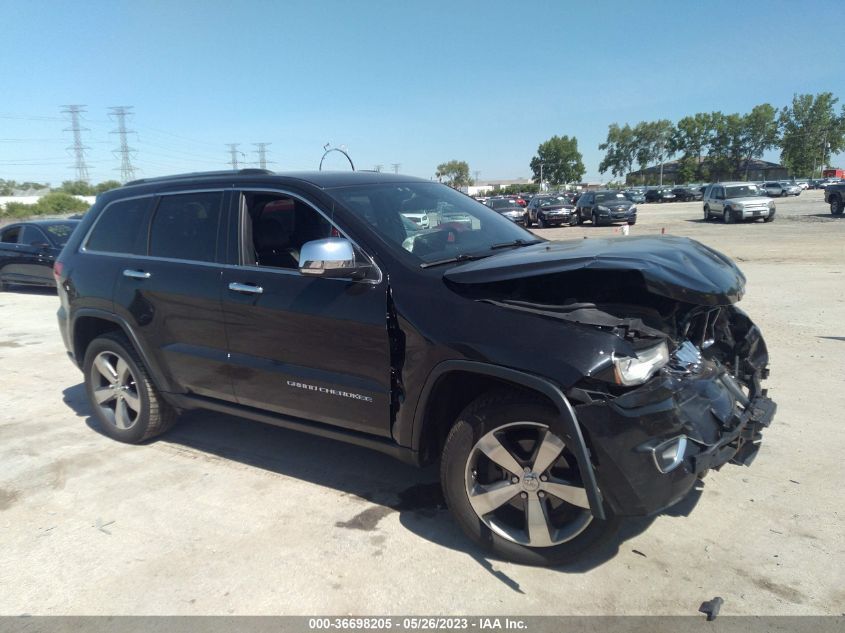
(561, 385)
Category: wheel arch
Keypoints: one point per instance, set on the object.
(452, 385)
(90, 323)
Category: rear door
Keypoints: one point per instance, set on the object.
(302, 346)
(170, 291)
(10, 253)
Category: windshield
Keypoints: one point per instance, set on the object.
(609, 196)
(458, 225)
(741, 191)
(59, 233)
(553, 202)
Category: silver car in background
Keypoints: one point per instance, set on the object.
(737, 201)
(781, 188)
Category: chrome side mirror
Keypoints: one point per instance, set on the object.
(333, 257)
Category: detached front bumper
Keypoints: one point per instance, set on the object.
(718, 422)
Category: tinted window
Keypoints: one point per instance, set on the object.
(185, 226)
(122, 228)
(60, 233)
(10, 236)
(32, 235)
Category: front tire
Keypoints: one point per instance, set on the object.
(541, 221)
(513, 485)
(594, 219)
(836, 206)
(125, 402)
(728, 216)
(526, 221)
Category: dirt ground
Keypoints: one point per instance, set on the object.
(226, 516)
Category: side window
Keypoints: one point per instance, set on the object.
(275, 228)
(32, 235)
(185, 226)
(122, 228)
(10, 236)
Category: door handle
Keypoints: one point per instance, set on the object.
(248, 288)
(136, 274)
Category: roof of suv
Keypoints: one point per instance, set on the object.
(322, 179)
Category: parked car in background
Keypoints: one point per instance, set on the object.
(834, 195)
(737, 201)
(508, 207)
(659, 194)
(780, 188)
(635, 196)
(687, 194)
(550, 210)
(29, 249)
(605, 207)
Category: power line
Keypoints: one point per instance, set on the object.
(262, 154)
(127, 171)
(78, 148)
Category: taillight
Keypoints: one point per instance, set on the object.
(58, 267)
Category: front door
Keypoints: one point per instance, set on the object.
(307, 347)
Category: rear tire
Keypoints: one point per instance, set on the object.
(126, 404)
(541, 222)
(489, 428)
(706, 214)
(526, 220)
(836, 206)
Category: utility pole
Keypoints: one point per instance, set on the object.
(233, 155)
(262, 154)
(475, 173)
(396, 167)
(541, 178)
(127, 171)
(661, 162)
(824, 147)
(78, 148)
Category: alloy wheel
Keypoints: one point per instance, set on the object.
(524, 484)
(115, 390)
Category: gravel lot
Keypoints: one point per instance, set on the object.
(226, 516)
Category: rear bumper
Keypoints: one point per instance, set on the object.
(717, 421)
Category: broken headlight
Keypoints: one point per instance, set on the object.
(629, 371)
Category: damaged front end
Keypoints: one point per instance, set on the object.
(677, 391)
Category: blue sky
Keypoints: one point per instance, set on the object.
(415, 83)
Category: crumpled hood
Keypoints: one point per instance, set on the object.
(674, 267)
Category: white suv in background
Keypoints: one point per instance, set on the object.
(737, 201)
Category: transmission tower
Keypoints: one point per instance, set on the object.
(475, 173)
(78, 148)
(377, 167)
(396, 167)
(233, 154)
(127, 171)
(262, 154)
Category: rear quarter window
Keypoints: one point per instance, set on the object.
(122, 228)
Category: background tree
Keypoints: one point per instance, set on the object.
(691, 137)
(106, 185)
(455, 172)
(558, 161)
(760, 132)
(727, 147)
(811, 132)
(653, 141)
(77, 188)
(619, 150)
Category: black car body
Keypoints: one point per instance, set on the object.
(659, 194)
(605, 207)
(29, 249)
(297, 300)
(550, 210)
(687, 194)
(834, 195)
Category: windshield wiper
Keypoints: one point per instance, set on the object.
(517, 242)
(451, 260)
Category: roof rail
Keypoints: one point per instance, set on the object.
(202, 174)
